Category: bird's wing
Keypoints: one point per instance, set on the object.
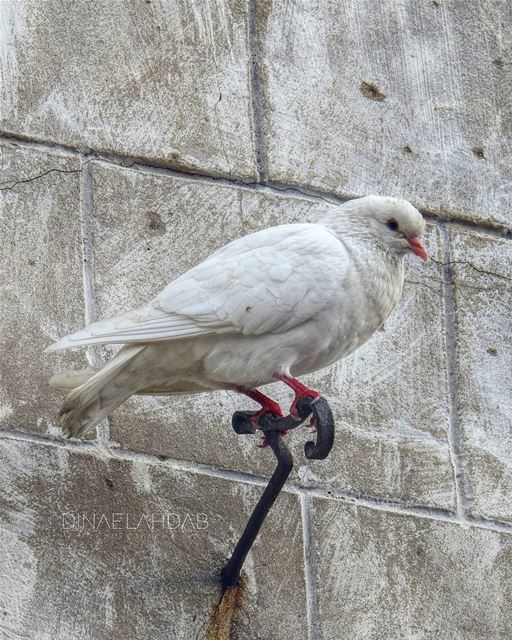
(265, 282)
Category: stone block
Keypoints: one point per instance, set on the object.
(94, 547)
(408, 99)
(483, 276)
(40, 280)
(165, 81)
(392, 437)
(384, 575)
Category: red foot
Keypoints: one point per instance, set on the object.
(301, 391)
(267, 404)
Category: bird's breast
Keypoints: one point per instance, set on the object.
(367, 297)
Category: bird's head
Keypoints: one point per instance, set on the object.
(392, 223)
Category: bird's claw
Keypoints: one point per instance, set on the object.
(244, 422)
(248, 421)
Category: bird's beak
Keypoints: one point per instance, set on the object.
(418, 248)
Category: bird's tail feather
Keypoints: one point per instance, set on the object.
(86, 405)
(67, 380)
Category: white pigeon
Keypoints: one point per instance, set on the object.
(272, 305)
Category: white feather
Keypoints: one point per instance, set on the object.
(266, 282)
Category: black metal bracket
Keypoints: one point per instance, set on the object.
(273, 428)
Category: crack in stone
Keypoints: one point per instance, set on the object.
(285, 189)
(42, 175)
(464, 285)
(470, 264)
(423, 284)
(489, 273)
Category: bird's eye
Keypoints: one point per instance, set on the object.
(392, 224)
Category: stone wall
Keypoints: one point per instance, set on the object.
(137, 136)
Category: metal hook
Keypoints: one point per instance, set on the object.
(324, 421)
(231, 572)
(273, 427)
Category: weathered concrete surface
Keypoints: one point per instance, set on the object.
(150, 228)
(383, 575)
(40, 280)
(483, 285)
(166, 81)
(95, 548)
(399, 98)
(395, 97)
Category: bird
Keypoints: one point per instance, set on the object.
(273, 305)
